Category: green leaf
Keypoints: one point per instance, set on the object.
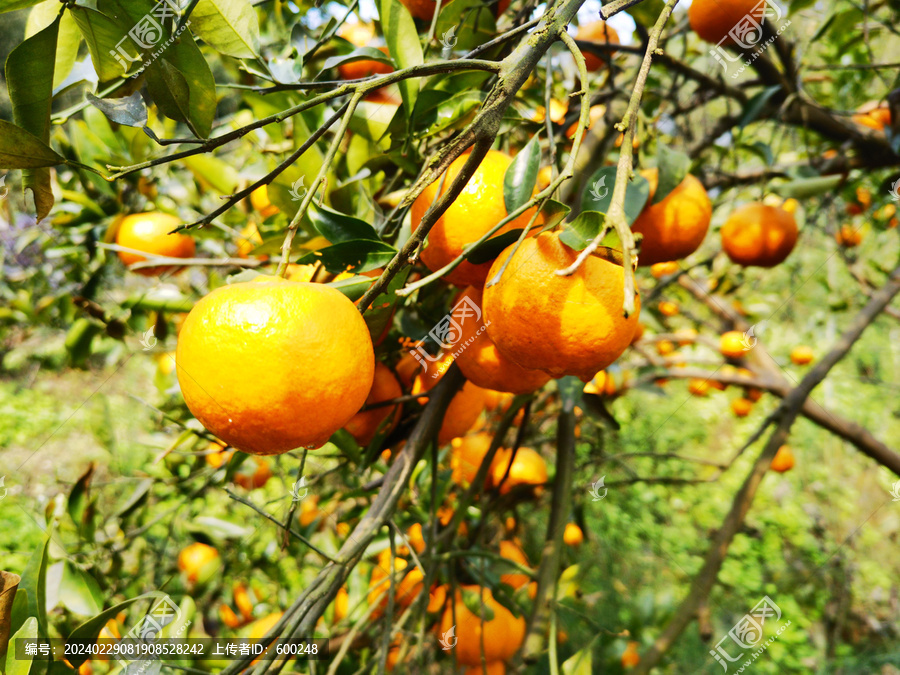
(34, 583)
(599, 192)
(473, 603)
(554, 213)
(69, 38)
(520, 176)
(13, 5)
(184, 81)
(218, 528)
(465, 24)
(104, 36)
(360, 54)
(403, 45)
(78, 497)
(583, 230)
(20, 149)
(221, 175)
(129, 110)
(79, 339)
(29, 76)
(79, 592)
(353, 287)
(492, 247)
(359, 255)
(338, 227)
(90, 629)
(28, 631)
(805, 188)
(229, 26)
(756, 104)
(579, 664)
(673, 167)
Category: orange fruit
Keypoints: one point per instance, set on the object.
(258, 629)
(759, 235)
(242, 601)
(596, 113)
(638, 333)
(424, 9)
(603, 384)
(465, 407)
(675, 227)
(492, 668)
(250, 239)
(802, 355)
(698, 387)
(217, 455)
(483, 365)
(254, 477)
(498, 400)
(228, 617)
(669, 308)
(198, 561)
(406, 589)
(512, 551)
(415, 537)
(558, 111)
(665, 347)
(572, 325)
(478, 208)
(573, 536)
(259, 199)
(503, 633)
(273, 365)
(753, 395)
(741, 407)
(309, 510)
(601, 33)
(357, 70)
(528, 468)
(732, 344)
(663, 269)
(437, 598)
(385, 387)
(848, 236)
(544, 177)
(407, 369)
(630, 657)
(149, 233)
(783, 460)
(341, 604)
(466, 455)
(712, 20)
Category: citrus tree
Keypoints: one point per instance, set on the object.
(415, 278)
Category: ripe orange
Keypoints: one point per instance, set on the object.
(631, 657)
(258, 629)
(309, 510)
(876, 118)
(437, 598)
(149, 233)
(760, 235)
(503, 634)
(498, 400)
(544, 177)
(741, 407)
(638, 333)
(478, 208)
(802, 355)
(249, 240)
(783, 460)
(848, 236)
(415, 537)
(406, 589)
(242, 601)
(424, 9)
(492, 668)
(601, 33)
(572, 325)
(385, 387)
(512, 551)
(357, 70)
(272, 365)
(698, 387)
(466, 455)
(465, 407)
(712, 20)
(199, 562)
(482, 364)
(663, 269)
(669, 308)
(573, 536)
(733, 344)
(259, 199)
(253, 474)
(675, 227)
(341, 604)
(596, 113)
(228, 617)
(665, 347)
(528, 468)
(603, 384)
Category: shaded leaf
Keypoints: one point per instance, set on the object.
(599, 192)
(359, 255)
(129, 110)
(472, 600)
(229, 26)
(69, 36)
(583, 230)
(756, 104)
(492, 247)
(520, 176)
(102, 35)
(403, 44)
(34, 583)
(673, 167)
(579, 664)
(218, 173)
(553, 213)
(804, 188)
(13, 5)
(28, 631)
(20, 149)
(337, 227)
(79, 592)
(216, 527)
(78, 497)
